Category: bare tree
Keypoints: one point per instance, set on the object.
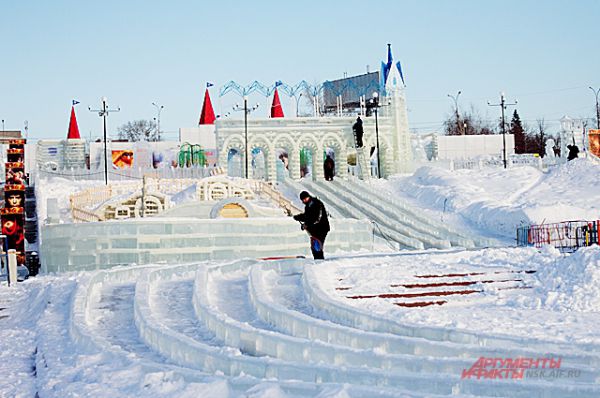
(534, 139)
(469, 123)
(139, 130)
(312, 96)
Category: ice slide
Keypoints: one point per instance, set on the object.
(393, 219)
(248, 321)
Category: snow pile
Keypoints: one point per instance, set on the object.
(499, 200)
(572, 282)
(61, 189)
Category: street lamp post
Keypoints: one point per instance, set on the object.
(596, 92)
(103, 113)
(503, 106)
(375, 106)
(246, 112)
(297, 102)
(158, 109)
(455, 98)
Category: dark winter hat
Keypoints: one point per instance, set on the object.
(304, 195)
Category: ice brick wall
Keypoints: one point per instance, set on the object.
(89, 246)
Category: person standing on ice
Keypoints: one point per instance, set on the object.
(358, 132)
(329, 168)
(314, 221)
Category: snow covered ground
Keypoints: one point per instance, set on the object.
(495, 201)
(356, 325)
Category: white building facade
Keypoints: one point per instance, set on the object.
(320, 135)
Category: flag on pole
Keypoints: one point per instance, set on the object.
(276, 109)
(209, 84)
(400, 70)
(75, 102)
(278, 83)
(207, 116)
(73, 128)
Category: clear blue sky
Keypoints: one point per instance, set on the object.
(543, 53)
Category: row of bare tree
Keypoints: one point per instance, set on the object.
(527, 139)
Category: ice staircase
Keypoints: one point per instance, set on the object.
(393, 219)
(231, 319)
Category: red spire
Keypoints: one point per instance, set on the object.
(73, 128)
(276, 109)
(208, 115)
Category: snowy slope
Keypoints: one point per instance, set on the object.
(496, 201)
(357, 325)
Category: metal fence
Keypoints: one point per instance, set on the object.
(566, 236)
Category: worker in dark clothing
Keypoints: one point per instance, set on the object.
(358, 132)
(573, 152)
(329, 168)
(314, 221)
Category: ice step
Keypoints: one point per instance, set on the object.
(357, 318)
(364, 198)
(364, 189)
(269, 294)
(374, 211)
(383, 231)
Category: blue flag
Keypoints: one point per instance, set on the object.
(209, 84)
(278, 83)
(400, 70)
(75, 102)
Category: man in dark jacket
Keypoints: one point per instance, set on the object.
(358, 132)
(329, 168)
(573, 152)
(315, 222)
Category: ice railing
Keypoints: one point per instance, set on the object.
(84, 204)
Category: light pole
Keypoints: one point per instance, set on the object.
(103, 113)
(3, 125)
(455, 98)
(158, 109)
(297, 102)
(503, 105)
(375, 106)
(596, 92)
(246, 112)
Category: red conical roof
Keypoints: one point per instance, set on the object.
(208, 115)
(276, 109)
(73, 128)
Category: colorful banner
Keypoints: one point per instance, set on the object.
(15, 155)
(122, 158)
(594, 140)
(13, 213)
(15, 173)
(14, 196)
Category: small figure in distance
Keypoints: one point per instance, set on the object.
(573, 152)
(358, 132)
(329, 168)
